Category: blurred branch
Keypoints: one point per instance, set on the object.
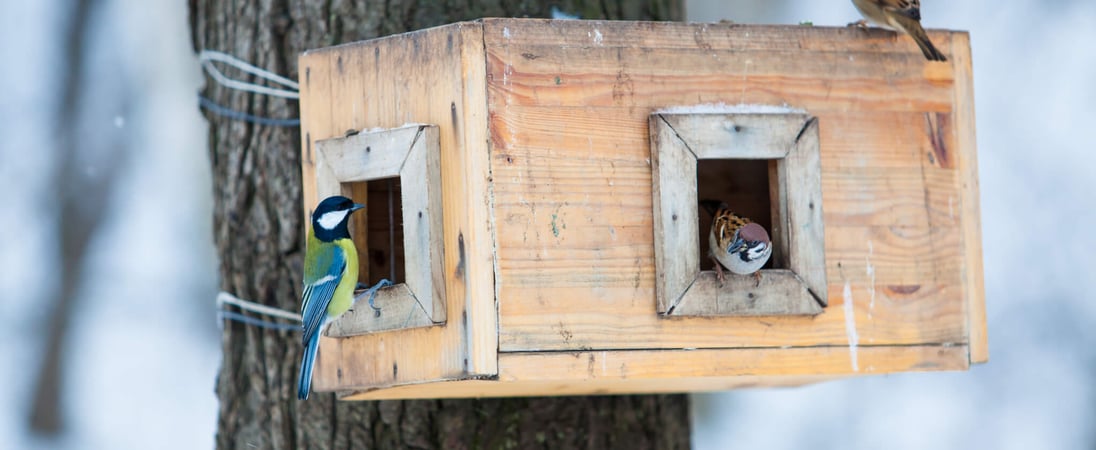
(82, 193)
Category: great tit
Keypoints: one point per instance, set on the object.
(330, 276)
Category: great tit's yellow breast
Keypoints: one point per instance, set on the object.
(344, 291)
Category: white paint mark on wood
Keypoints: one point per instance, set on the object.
(850, 326)
(871, 276)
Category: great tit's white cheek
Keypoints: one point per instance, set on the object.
(332, 219)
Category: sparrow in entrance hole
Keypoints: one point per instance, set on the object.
(736, 243)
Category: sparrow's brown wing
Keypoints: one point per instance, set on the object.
(908, 8)
(725, 224)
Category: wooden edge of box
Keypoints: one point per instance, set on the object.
(974, 278)
(674, 371)
(482, 336)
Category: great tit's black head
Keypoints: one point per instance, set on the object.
(330, 217)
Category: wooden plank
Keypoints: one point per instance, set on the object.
(629, 372)
(422, 223)
(901, 197)
(779, 292)
(871, 176)
(600, 77)
(895, 255)
(398, 310)
(327, 184)
(859, 140)
(641, 364)
(470, 239)
(811, 94)
(381, 359)
(494, 388)
(315, 122)
(352, 115)
(501, 32)
(884, 314)
(449, 66)
(540, 298)
(881, 169)
(737, 136)
(417, 233)
(964, 140)
(677, 254)
(368, 155)
(800, 174)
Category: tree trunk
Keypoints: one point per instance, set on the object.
(259, 235)
(82, 199)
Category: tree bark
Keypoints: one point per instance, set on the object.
(258, 230)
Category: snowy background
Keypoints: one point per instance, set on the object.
(144, 325)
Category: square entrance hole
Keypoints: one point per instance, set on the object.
(745, 185)
(381, 256)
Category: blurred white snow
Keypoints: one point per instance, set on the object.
(144, 346)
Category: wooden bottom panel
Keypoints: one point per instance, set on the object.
(654, 371)
(883, 314)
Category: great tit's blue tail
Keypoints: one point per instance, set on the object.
(304, 380)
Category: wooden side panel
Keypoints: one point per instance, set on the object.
(621, 372)
(967, 163)
(422, 220)
(744, 136)
(347, 162)
(569, 103)
(800, 177)
(778, 292)
(677, 252)
(399, 311)
(423, 77)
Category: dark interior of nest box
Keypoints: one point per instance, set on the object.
(380, 243)
(745, 185)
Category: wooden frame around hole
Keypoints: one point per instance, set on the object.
(411, 153)
(791, 141)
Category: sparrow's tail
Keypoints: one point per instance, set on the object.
(914, 29)
(711, 206)
(304, 379)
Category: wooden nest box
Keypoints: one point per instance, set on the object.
(532, 186)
